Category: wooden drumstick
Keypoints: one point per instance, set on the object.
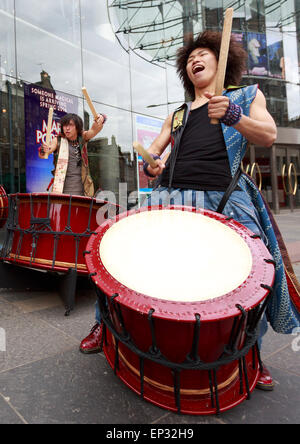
(88, 99)
(49, 128)
(145, 155)
(222, 64)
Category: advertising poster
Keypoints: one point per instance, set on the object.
(291, 69)
(147, 129)
(240, 37)
(257, 54)
(37, 101)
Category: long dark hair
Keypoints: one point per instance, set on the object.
(236, 63)
(76, 119)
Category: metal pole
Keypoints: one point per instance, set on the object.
(11, 142)
(274, 181)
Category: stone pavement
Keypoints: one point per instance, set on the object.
(44, 379)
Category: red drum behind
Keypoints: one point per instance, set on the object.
(181, 293)
(50, 231)
(3, 206)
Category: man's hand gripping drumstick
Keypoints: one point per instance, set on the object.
(153, 165)
(218, 104)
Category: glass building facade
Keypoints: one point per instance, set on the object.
(123, 52)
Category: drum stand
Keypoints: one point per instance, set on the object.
(248, 322)
(19, 278)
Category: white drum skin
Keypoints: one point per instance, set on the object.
(175, 255)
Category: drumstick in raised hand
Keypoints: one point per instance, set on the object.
(222, 63)
(145, 155)
(89, 101)
(49, 128)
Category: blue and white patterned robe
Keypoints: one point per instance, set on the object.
(281, 312)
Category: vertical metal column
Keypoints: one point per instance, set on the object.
(11, 142)
(274, 181)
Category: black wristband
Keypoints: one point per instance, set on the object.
(146, 164)
(233, 114)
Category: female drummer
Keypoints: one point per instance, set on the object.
(74, 178)
(203, 169)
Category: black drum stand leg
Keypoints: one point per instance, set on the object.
(67, 290)
(20, 278)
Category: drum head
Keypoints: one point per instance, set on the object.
(176, 255)
(182, 256)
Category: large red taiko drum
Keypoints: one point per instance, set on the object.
(181, 293)
(3, 206)
(50, 231)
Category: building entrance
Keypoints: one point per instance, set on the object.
(276, 172)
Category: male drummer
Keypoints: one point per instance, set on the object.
(203, 169)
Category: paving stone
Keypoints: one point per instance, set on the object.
(280, 406)
(29, 339)
(8, 414)
(71, 388)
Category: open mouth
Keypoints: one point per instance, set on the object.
(198, 68)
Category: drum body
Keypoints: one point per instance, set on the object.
(174, 332)
(3, 206)
(49, 232)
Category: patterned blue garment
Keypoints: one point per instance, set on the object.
(281, 312)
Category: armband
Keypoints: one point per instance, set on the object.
(146, 164)
(233, 114)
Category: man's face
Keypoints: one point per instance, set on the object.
(202, 67)
(70, 130)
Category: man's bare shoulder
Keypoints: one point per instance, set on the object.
(260, 99)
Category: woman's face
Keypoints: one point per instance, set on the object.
(70, 130)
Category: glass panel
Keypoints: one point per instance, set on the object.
(213, 14)
(275, 53)
(12, 165)
(105, 60)
(293, 100)
(239, 16)
(174, 89)
(7, 45)
(154, 31)
(255, 15)
(149, 89)
(290, 60)
(49, 46)
(111, 157)
(272, 13)
(291, 65)
(155, 27)
(275, 93)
